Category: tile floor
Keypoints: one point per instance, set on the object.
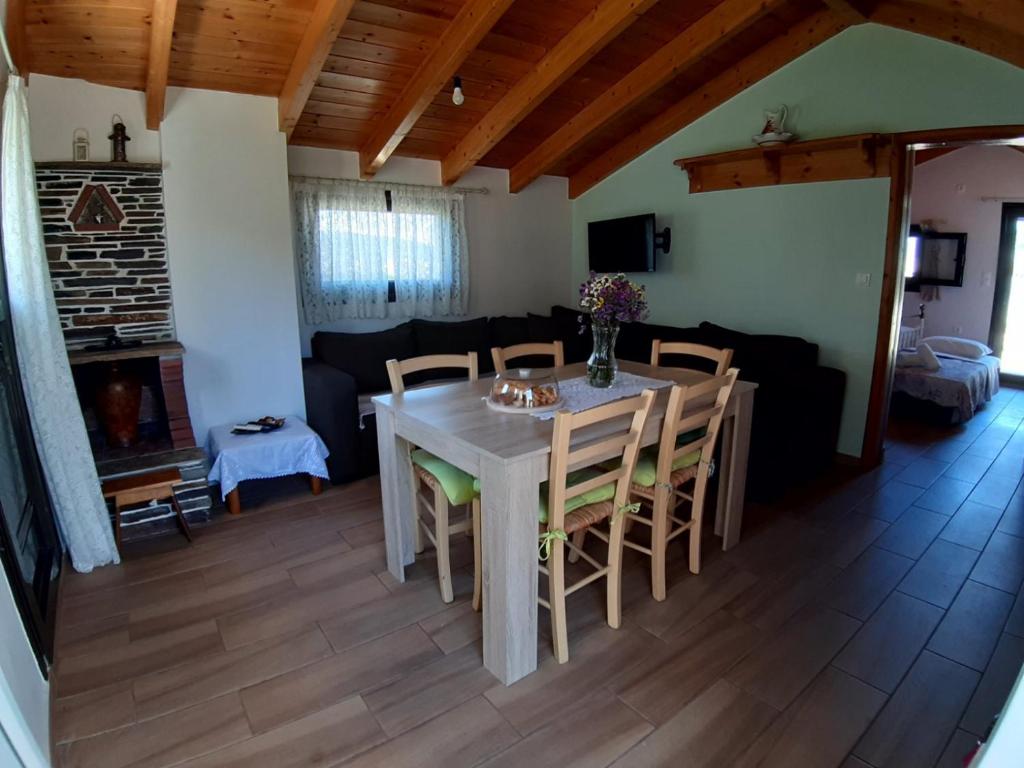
(876, 621)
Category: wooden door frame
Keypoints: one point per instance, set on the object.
(890, 309)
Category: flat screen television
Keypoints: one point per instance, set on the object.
(622, 245)
(934, 258)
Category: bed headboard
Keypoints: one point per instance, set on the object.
(912, 329)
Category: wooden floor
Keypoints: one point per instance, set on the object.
(877, 622)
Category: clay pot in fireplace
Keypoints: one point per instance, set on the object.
(118, 399)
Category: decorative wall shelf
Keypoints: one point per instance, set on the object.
(92, 165)
(156, 349)
(862, 156)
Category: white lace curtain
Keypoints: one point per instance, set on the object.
(57, 424)
(363, 246)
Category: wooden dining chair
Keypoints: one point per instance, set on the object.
(677, 472)
(581, 493)
(448, 485)
(722, 358)
(501, 355)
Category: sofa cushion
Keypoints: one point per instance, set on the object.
(575, 336)
(454, 338)
(635, 340)
(363, 355)
(762, 353)
(509, 331)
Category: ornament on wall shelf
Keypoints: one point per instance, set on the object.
(80, 145)
(96, 211)
(119, 138)
(774, 133)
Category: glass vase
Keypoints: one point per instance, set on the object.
(602, 367)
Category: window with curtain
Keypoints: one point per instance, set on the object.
(363, 246)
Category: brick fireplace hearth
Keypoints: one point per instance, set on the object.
(103, 225)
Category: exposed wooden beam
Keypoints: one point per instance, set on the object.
(890, 306)
(324, 25)
(953, 28)
(924, 155)
(14, 28)
(997, 13)
(161, 31)
(701, 38)
(848, 10)
(764, 61)
(600, 27)
(462, 35)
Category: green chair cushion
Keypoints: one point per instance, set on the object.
(646, 473)
(460, 487)
(601, 493)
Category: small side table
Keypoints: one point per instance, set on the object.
(151, 486)
(291, 450)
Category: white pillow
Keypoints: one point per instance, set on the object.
(951, 345)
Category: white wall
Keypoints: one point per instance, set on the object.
(59, 105)
(231, 262)
(519, 245)
(24, 694)
(948, 190)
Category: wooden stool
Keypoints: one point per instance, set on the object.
(151, 486)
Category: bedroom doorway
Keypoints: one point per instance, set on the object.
(1007, 334)
(905, 149)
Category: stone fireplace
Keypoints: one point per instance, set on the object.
(103, 225)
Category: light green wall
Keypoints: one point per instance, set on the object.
(784, 259)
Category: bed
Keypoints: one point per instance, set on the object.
(960, 384)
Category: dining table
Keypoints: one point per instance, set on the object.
(509, 454)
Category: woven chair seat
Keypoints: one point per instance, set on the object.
(428, 479)
(677, 478)
(588, 515)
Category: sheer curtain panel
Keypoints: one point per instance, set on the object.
(364, 246)
(57, 423)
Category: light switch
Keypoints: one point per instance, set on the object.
(986, 280)
(863, 280)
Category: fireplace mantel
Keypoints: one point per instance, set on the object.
(159, 349)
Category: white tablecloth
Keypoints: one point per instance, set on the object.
(579, 396)
(290, 450)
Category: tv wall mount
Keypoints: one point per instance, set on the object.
(663, 240)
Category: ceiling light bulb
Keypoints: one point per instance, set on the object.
(458, 98)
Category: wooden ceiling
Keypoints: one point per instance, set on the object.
(575, 88)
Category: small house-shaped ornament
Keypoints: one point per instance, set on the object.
(96, 211)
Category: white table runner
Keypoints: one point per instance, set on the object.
(578, 396)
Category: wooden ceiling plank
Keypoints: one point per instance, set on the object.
(324, 25)
(161, 29)
(848, 10)
(953, 28)
(713, 29)
(998, 13)
(764, 61)
(14, 27)
(458, 40)
(584, 40)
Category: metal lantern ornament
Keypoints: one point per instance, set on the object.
(119, 138)
(80, 145)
